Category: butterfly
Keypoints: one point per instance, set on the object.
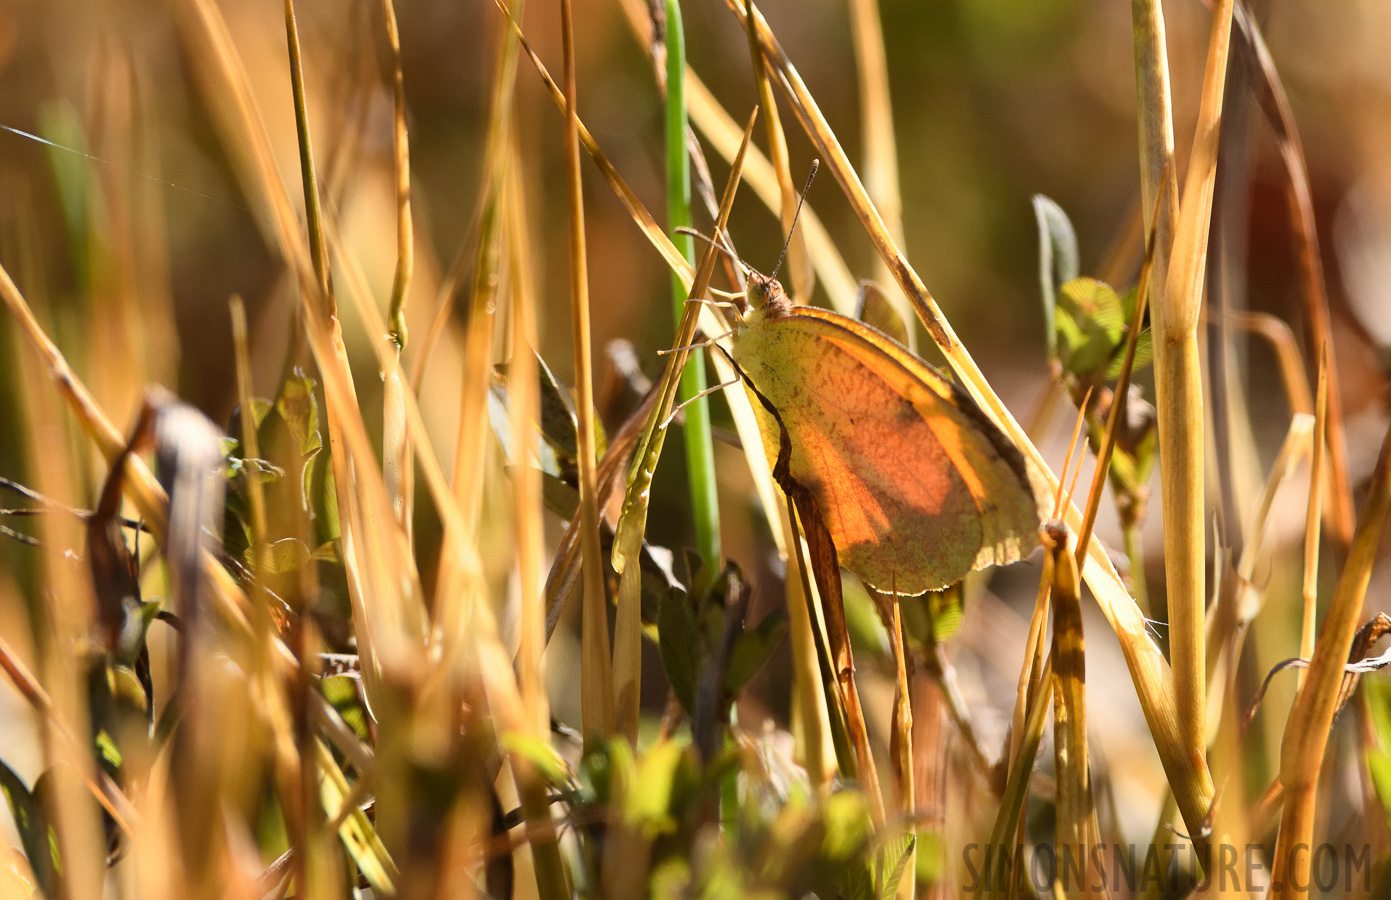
(916, 485)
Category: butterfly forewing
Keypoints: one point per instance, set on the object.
(916, 486)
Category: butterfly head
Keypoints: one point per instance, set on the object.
(767, 296)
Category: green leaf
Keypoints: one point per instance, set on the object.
(541, 755)
(1057, 260)
(358, 833)
(604, 770)
(848, 827)
(326, 507)
(862, 620)
(859, 882)
(341, 691)
(282, 557)
(893, 862)
(1379, 759)
(1144, 354)
(753, 648)
(60, 127)
(1090, 325)
(947, 613)
(557, 422)
(35, 834)
(300, 412)
(679, 640)
(647, 801)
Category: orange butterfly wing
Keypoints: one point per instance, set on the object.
(916, 485)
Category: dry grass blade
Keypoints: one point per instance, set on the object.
(877, 128)
(1306, 732)
(1008, 819)
(595, 668)
(1278, 334)
(470, 454)
(1239, 602)
(1271, 94)
(523, 396)
(523, 390)
(318, 245)
(1158, 176)
(654, 232)
(1073, 833)
(396, 453)
(226, 84)
(1148, 669)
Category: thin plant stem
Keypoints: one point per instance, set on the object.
(700, 450)
(1313, 519)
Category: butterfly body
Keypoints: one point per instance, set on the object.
(916, 485)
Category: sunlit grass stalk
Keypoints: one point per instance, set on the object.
(799, 272)
(1307, 730)
(1158, 177)
(880, 146)
(1179, 393)
(596, 673)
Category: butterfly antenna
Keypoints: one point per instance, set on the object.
(815, 164)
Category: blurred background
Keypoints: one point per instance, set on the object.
(130, 236)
